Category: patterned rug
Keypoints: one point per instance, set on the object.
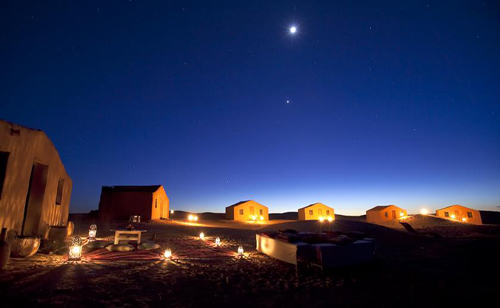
(103, 254)
(183, 248)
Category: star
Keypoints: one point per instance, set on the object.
(293, 29)
(288, 101)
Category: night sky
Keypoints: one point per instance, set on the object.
(395, 102)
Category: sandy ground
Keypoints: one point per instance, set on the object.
(457, 267)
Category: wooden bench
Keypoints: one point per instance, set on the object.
(128, 235)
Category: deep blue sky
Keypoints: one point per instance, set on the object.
(395, 102)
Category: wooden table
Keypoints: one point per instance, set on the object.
(128, 235)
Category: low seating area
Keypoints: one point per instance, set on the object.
(327, 249)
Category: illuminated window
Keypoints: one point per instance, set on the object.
(327, 212)
(386, 214)
(261, 212)
(241, 212)
(60, 186)
(446, 214)
(4, 157)
(311, 212)
(156, 203)
(469, 214)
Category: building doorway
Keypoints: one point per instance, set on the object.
(34, 199)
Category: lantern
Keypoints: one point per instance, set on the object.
(240, 251)
(75, 249)
(92, 233)
(217, 242)
(202, 236)
(330, 219)
(168, 253)
(424, 211)
(321, 218)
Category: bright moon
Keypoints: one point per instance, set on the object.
(293, 30)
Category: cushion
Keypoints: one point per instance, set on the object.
(97, 244)
(148, 246)
(120, 247)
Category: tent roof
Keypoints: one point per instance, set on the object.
(238, 203)
(19, 125)
(305, 207)
(444, 208)
(379, 207)
(148, 189)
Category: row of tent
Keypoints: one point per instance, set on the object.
(252, 211)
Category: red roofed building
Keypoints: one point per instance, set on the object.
(121, 202)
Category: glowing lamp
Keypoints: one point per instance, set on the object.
(464, 219)
(202, 236)
(171, 211)
(401, 214)
(217, 242)
(453, 216)
(190, 217)
(240, 251)
(75, 249)
(195, 218)
(424, 211)
(254, 217)
(168, 253)
(92, 233)
(330, 219)
(321, 218)
(261, 217)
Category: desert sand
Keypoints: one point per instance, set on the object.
(449, 263)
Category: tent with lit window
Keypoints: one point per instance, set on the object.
(316, 211)
(247, 211)
(460, 213)
(384, 213)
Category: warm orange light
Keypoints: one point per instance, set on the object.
(321, 219)
(253, 217)
(424, 211)
(464, 219)
(195, 218)
(401, 214)
(330, 219)
(453, 216)
(75, 249)
(168, 253)
(240, 251)
(202, 236)
(190, 217)
(261, 217)
(217, 241)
